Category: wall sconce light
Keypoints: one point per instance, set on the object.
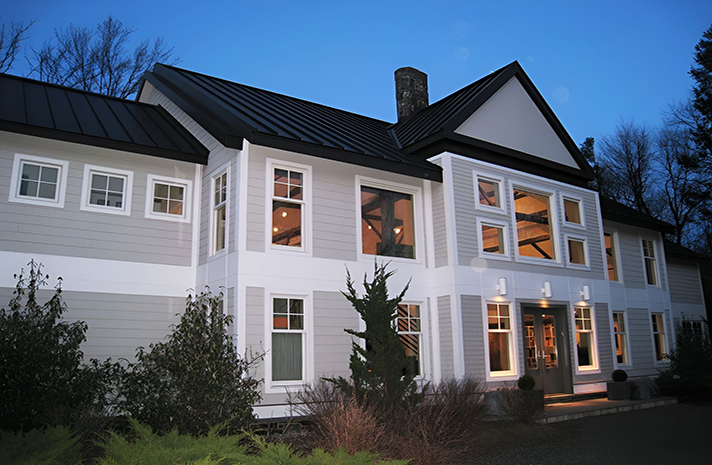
(502, 286)
(586, 293)
(546, 290)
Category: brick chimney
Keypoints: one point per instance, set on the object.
(411, 91)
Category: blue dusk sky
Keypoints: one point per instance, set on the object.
(594, 62)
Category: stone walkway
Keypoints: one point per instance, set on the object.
(554, 413)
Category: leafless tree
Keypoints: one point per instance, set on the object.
(627, 159)
(98, 60)
(11, 36)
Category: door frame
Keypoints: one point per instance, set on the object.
(562, 313)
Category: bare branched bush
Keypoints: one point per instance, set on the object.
(525, 406)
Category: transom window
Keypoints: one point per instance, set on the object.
(611, 257)
(572, 211)
(220, 190)
(659, 337)
(410, 333)
(585, 342)
(533, 219)
(621, 336)
(387, 225)
(288, 208)
(287, 339)
(499, 330)
(651, 267)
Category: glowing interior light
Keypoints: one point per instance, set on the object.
(397, 230)
(275, 229)
(370, 227)
(284, 214)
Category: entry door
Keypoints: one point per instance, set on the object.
(546, 354)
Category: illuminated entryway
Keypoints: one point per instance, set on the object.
(546, 348)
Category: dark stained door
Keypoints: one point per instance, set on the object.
(545, 348)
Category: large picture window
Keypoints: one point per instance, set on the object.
(585, 342)
(288, 203)
(499, 331)
(621, 336)
(533, 219)
(409, 330)
(387, 225)
(287, 339)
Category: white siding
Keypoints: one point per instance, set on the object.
(332, 345)
(472, 335)
(447, 364)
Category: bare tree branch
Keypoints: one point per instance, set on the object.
(11, 35)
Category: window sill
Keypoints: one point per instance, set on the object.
(33, 201)
(369, 258)
(108, 210)
(505, 376)
(538, 261)
(588, 371)
(576, 266)
(495, 256)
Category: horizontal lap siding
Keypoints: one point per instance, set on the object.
(685, 285)
(605, 348)
(472, 336)
(641, 342)
(255, 214)
(334, 211)
(631, 259)
(332, 345)
(254, 327)
(439, 225)
(118, 323)
(69, 231)
(466, 215)
(447, 364)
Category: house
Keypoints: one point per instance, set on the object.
(480, 198)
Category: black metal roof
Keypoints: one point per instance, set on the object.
(232, 111)
(616, 211)
(682, 252)
(55, 112)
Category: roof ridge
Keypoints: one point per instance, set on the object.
(279, 94)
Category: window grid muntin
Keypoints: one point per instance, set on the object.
(220, 192)
(96, 189)
(499, 328)
(621, 338)
(288, 192)
(410, 330)
(659, 342)
(650, 262)
(174, 197)
(294, 312)
(583, 317)
(27, 182)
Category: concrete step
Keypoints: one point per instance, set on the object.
(569, 398)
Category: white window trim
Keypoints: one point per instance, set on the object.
(280, 387)
(616, 252)
(224, 169)
(629, 364)
(423, 366)
(656, 258)
(586, 256)
(553, 223)
(582, 215)
(419, 236)
(656, 362)
(187, 184)
(501, 210)
(306, 203)
(512, 374)
(63, 167)
(595, 368)
(505, 233)
(86, 190)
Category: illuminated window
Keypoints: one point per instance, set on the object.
(220, 192)
(287, 352)
(408, 325)
(489, 194)
(572, 211)
(288, 206)
(659, 337)
(577, 251)
(621, 336)
(611, 257)
(493, 239)
(387, 226)
(585, 342)
(533, 218)
(499, 331)
(651, 267)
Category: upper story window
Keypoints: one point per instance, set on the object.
(38, 180)
(577, 251)
(489, 193)
(107, 190)
(167, 198)
(408, 325)
(611, 257)
(220, 190)
(288, 204)
(572, 211)
(651, 266)
(533, 220)
(493, 239)
(387, 223)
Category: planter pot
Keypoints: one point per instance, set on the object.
(622, 390)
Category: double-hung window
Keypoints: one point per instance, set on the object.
(659, 337)
(651, 267)
(585, 341)
(107, 190)
(288, 339)
(387, 223)
(220, 191)
(621, 336)
(532, 212)
(611, 257)
(288, 205)
(499, 331)
(408, 325)
(167, 198)
(39, 181)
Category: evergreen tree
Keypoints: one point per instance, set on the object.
(701, 72)
(380, 371)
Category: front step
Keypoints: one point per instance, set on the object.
(569, 398)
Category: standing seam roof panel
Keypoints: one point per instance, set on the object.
(38, 113)
(88, 121)
(108, 120)
(64, 118)
(12, 102)
(132, 127)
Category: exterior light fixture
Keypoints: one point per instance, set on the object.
(502, 286)
(546, 290)
(586, 293)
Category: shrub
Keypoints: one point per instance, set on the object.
(48, 446)
(43, 380)
(526, 383)
(619, 376)
(690, 371)
(523, 405)
(380, 371)
(196, 378)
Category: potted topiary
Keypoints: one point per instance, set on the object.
(620, 388)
